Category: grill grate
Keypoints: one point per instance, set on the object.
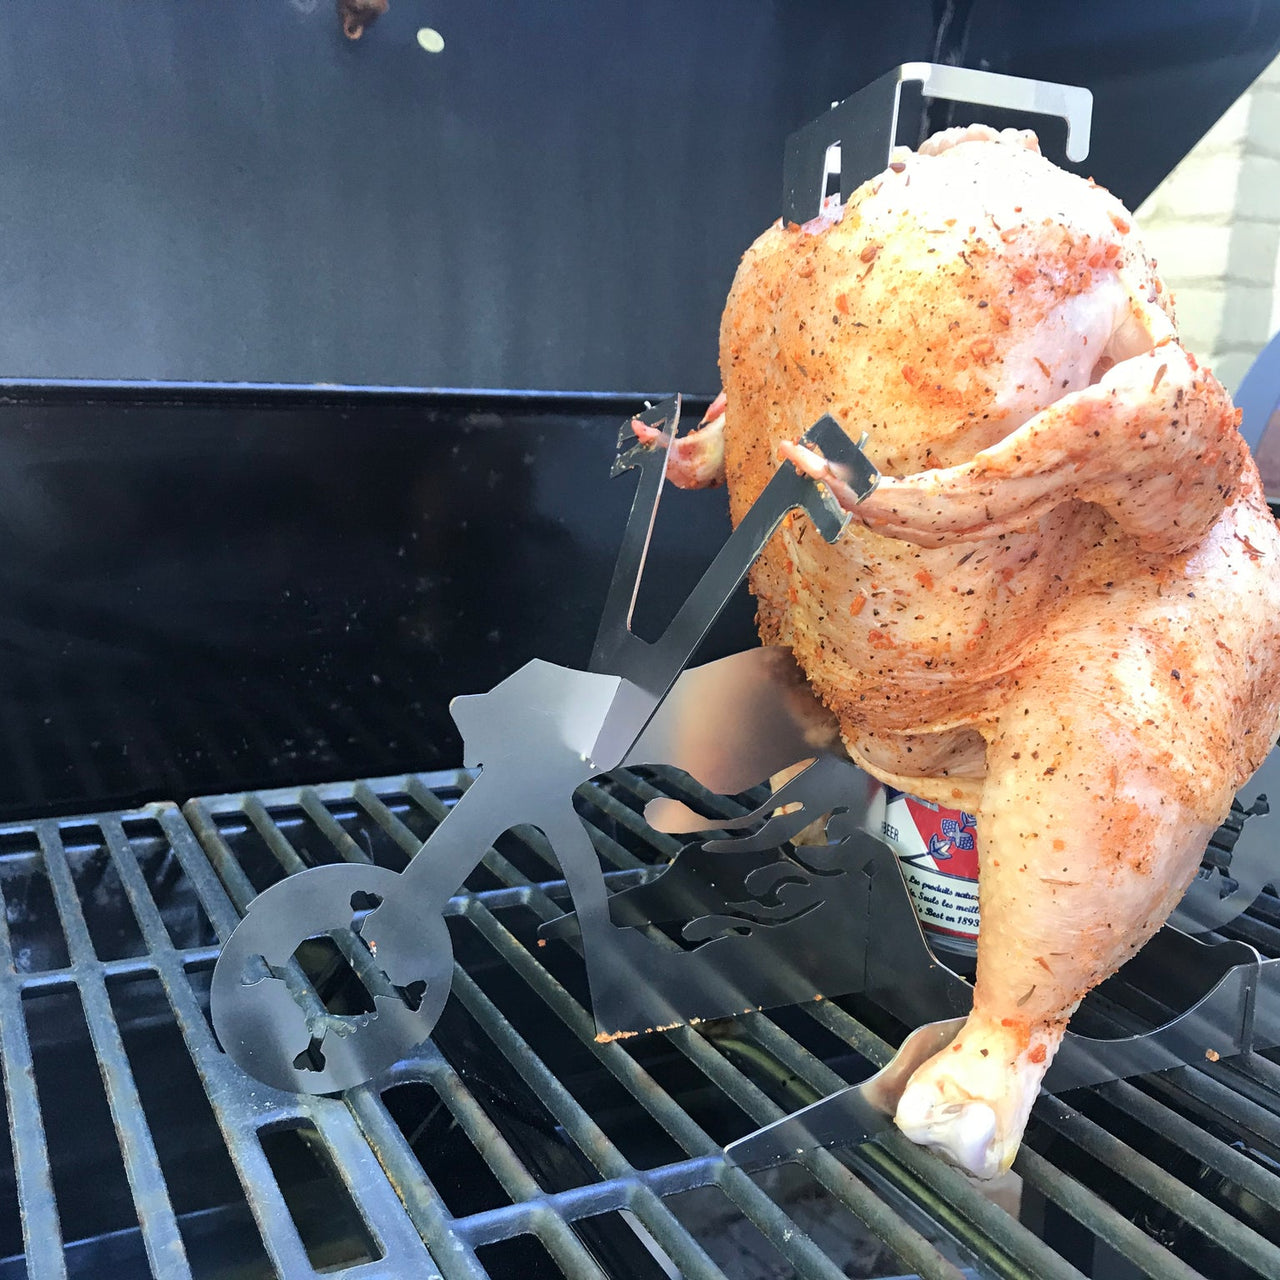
(516, 1144)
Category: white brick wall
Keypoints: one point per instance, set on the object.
(1214, 227)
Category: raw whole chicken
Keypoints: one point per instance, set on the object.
(1060, 610)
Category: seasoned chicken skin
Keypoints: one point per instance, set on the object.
(1060, 610)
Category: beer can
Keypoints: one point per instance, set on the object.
(937, 850)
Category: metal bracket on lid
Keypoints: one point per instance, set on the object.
(865, 125)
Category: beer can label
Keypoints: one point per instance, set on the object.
(937, 850)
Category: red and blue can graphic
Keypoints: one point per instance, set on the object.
(937, 850)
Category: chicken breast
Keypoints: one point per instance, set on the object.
(1060, 610)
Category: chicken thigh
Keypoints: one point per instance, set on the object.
(1060, 610)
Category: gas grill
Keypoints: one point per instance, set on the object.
(219, 592)
(516, 1144)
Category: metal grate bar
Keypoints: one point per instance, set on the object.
(620, 864)
(156, 1218)
(1190, 1137)
(435, 809)
(404, 1251)
(681, 1127)
(611, 850)
(612, 808)
(1243, 1090)
(690, 790)
(1095, 1213)
(1250, 1077)
(1234, 1236)
(825, 1168)
(612, 1193)
(270, 1211)
(314, 808)
(50, 981)
(602, 1153)
(535, 1212)
(422, 1202)
(1258, 933)
(276, 841)
(532, 1210)
(209, 887)
(485, 1136)
(1258, 1071)
(1216, 1101)
(554, 891)
(41, 1230)
(372, 804)
(234, 887)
